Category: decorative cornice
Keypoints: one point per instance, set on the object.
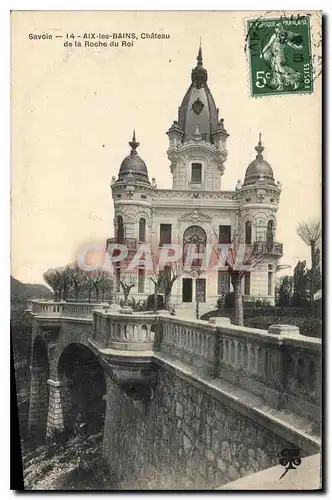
(195, 216)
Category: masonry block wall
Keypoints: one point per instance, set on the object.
(184, 438)
(38, 406)
(59, 416)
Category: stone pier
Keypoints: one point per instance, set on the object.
(59, 416)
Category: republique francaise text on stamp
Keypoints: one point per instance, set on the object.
(279, 55)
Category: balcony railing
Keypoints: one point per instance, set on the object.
(130, 243)
(266, 248)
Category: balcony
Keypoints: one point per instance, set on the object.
(130, 243)
(268, 249)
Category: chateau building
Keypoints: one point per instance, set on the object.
(195, 210)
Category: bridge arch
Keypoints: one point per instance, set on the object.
(77, 396)
(39, 391)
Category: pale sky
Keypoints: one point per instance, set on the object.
(74, 109)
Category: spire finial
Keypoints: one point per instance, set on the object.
(199, 74)
(200, 57)
(259, 148)
(133, 144)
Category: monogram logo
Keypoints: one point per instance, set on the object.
(290, 459)
(197, 106)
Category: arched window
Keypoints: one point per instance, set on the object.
(120, 230)
(141, 229)
(194, 240)
(269, 235)
(248, 233)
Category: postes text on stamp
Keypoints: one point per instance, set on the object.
(279, 55)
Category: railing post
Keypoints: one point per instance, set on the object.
(158, 336)
(216, 357)
(282, 400)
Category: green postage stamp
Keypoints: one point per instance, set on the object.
(279, 55)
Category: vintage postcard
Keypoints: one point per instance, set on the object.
(166, 270)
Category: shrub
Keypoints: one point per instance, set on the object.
(311, 327)
(221, 303)
(149, 306)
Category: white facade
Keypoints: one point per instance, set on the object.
(197, 152)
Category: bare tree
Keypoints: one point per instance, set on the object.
(239, 259)
(127, 282)
(97, 281)
(66, 280)
(106, 285)
(310, 234)
(89, 285)
(78, 279)
(170, 274)
(237, 269)
(53, 279)
(156, 276)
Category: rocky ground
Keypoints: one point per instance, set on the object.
(75, 464)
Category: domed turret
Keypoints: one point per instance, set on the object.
(198, 109)
(133, 166)
(259, 168)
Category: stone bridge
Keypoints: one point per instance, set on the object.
(182, 403)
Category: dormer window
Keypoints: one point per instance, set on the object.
(196, 173)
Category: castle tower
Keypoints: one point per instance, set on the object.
(258, 204)
(197, 140)
(131, 194)
(132, 197)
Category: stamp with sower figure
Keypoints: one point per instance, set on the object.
(279, 54)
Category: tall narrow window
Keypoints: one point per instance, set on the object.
(194, 240)
(118, 277)
(247, 284)
(141, 280)
(269, 235)
(196, 173)
(120, 230)
(165, 237)
(248, 233)
(225, 234)
(223, 282)
(269, 280)
(142, 230)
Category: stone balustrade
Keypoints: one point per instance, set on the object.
(78, 310)
(280, 366)
(60, 309)
(191, 341)
(122, 330)
(46, 308)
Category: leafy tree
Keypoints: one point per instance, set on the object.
(284, 292)
(310, 233)
(300, 284)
